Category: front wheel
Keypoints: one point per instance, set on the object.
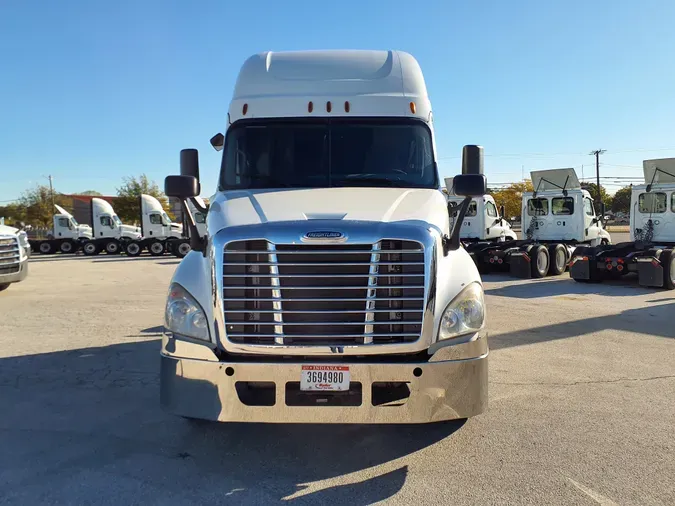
(133, 249)
(156, 248)
(90, 249)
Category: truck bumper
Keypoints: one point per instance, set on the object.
(7, 276)
(451, 385)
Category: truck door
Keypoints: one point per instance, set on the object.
(493, 223)
(591, 223)
(156, 227)
(107, 228)
(61, 227)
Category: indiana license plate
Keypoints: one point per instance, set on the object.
(324, 378)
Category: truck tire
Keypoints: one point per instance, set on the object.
(540, 261)
(182, 248)
(4, 286)
(156, 248)
(113, 247)
(133, 249)
(90, 248)
(668, 263)
(46, 248)
(558, 259)
(67, 247)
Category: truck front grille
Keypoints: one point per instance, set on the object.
(10, 252)
(304, 294)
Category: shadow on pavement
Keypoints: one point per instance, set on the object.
(551, 287)
(85, 425)
(653, 320)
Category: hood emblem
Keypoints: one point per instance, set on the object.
(324, 235)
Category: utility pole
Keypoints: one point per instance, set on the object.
(597, 154)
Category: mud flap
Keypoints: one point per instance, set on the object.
(519, 265)
(650, 272)
(581, 269)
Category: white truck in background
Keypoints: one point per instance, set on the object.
(66, 236)
(14, 253)
(158, 234)
(650, 253)
(331, 287)
(557, 217)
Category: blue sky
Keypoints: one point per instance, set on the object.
(94, 91)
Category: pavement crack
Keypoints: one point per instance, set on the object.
(587, 382)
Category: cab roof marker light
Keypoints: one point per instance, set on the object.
(413, 108)
(244, 110)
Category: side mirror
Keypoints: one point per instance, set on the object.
(218, 141)
(472, 159)
(469, 185)
(602, 210)
(189, 164)
(182, 187)
(501, 211)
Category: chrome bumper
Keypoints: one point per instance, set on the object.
(15, 277)
(452, 384)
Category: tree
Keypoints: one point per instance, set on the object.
(91, 193)
(127, 204)
(592, 188)
(37, 204)
(511, 197)
(13, 214)
(621, 200)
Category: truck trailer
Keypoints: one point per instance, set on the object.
(650, 253)
(557, 217)
(331, 287)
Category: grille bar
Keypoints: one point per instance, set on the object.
(10, 255)
(306, 294)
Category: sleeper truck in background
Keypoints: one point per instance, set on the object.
(331, 286)
(557, 217)
(66, 236)
(650, 253)
(159, 234)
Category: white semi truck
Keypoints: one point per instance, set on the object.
(331, 286)
(557, 217)
(66, 236)
(650, 253)
(158, 234)
(14, 253)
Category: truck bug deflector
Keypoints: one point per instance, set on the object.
(451, 384)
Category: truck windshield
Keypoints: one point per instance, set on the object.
(74, 222)
(165, 219)
(117, 220)
(328, 153)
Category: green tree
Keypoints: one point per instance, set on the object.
(13, 214)
(128, 202)
(38, 205)
(592, 188)
(91, 193)
(621, 200)
(511, 197)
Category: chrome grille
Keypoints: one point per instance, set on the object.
(305, 294)
(10, 252)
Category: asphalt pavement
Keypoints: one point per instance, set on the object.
(582, 383)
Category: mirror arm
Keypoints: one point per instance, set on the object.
(453, 243)
(197, 242)
(200, 208)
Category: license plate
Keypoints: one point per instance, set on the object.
(324, 378)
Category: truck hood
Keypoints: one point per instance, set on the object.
(6, 230)
(239, 207)
(130, 231)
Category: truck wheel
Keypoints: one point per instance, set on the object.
(539, 261)
(4, 286)
(156, 248)
(90, 249)
(182, 248)
(558, 259)
(67, 247)
(113, 247)
(133, 249)
(46, 248)
(668, 262)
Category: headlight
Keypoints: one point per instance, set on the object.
(183, 315)
(23, 239)
(465, 314)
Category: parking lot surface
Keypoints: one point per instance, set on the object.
(582, 411)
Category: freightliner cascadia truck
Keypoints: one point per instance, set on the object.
(330, 286)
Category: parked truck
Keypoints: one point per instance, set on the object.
(66, 235)
(14, 253)
(331, 286)
(557, 217)
(650, 253)
(158, 234)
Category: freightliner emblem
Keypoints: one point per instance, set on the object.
(329, 235)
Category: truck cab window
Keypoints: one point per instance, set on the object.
(537, 207)
(323, 153)
(491, 209)
(106, 221)
(64, 222)
(588, 207)
(654, 202)
(156, 219)
(562, 206)
(473, 209)
(200, 217)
